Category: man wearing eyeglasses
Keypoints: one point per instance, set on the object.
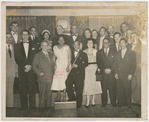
(24, 54)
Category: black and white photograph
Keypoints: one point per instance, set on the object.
(74, 60)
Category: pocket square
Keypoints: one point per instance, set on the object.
(33, 48)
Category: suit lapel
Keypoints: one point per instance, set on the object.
(22, 49)
(44, 57)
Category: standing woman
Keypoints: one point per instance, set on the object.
(95, 36)
(87, 34)
(46, 37)
(63, 58)
(91, 86)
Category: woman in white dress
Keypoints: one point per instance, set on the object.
(63, 58)
(91, 86)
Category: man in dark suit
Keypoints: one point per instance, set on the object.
(117, 38)
(77, 74)
(33, 38)
(24, 54)
(105, 62)
(124, 72)
(74, 36)
(43, 65)
(124, 28)
(110, 31)
(14, 27)
(103, 32)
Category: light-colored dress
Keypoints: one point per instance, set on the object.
(91, 86)
(60, 75)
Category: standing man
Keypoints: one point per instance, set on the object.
(77, 74)
(103, 35)
(33, 37)
(117, 38)
(14, 27)
(24, 54)
(74, 36)
(105, 62)
(11, 70)
(124, 28)
(110, 31)
(43, 65)
(124, 72)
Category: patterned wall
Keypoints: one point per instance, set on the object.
(81, 21)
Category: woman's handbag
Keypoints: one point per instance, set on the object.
(98, 75)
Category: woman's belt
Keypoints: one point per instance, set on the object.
(92, 63)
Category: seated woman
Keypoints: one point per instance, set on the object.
(62, 54)
(91, 86)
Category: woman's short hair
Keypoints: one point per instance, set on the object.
(90, 39)
(95, 31)
(61, 36)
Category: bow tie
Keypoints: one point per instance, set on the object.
(15, 33)
(25, 42)
(74, 35)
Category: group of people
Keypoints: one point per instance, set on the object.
(68, 63)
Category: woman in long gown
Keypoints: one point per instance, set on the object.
(91, 86)
(63, 58)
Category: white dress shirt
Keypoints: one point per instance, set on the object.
(117, 46)
(123, 52)
(33, 37)
(75, 37)
(26, 48)
(101, 42)
(15, 36)
(76, 53)
(46, 53)
(106, 50)
(9, 47)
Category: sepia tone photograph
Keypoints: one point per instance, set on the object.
(74, 60)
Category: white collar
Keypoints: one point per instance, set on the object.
(13, 32)
(45, 52)
(77, 50)
(124, 50)
(107, 49)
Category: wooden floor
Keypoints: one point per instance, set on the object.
(96, 111)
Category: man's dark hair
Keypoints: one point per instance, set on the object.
(32, 27)
(103, 28)
(124, 40)
(117, 33)
(14, 23)
(25, 31)
(76, 41)
(121, 26)
(106, 39)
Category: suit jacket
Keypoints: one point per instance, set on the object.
(19, 39)
(11, 66)
(35, 43)
(114, 47)
(104, 62)
(42, 64)
(82, 62)
(125, 66)
(71, 41)
(26, 79)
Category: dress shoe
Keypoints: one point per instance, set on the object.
(86, 106)
(93, 105)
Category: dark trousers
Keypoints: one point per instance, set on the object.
(124, 92)
(24, 99)
(77, 79)
(109, 84)
(45, 94)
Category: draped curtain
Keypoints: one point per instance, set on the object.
(41, 23)
(81, 21)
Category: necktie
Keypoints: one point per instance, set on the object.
(106, 53)
(48, 56)
(9, 51)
